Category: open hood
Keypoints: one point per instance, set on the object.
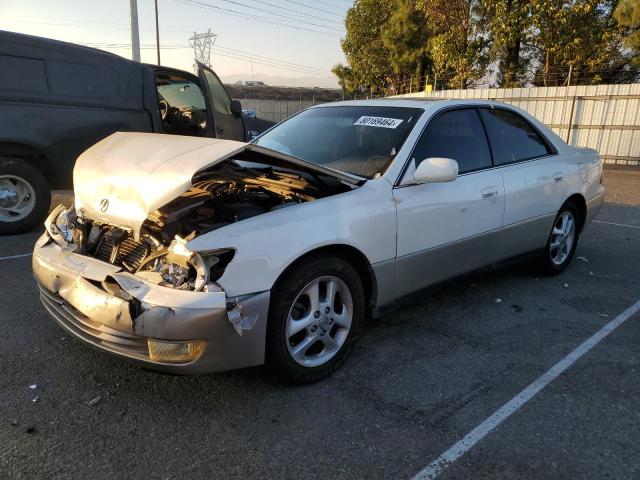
(126, 176)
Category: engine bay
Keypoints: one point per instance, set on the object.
(229, 192)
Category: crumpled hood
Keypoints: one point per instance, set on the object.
(126, 176)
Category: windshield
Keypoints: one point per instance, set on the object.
(360, 140)
(182, 94)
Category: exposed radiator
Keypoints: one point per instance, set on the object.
(128, 253)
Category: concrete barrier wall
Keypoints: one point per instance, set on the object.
(275, 110)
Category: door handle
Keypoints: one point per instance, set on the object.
(558, 176)
(489, 192)
(220, 129)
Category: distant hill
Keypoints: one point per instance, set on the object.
(284, 93)
(330, 81)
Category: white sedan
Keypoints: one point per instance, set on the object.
(197, 255)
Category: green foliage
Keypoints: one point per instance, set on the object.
(458, 48)
(346, 79)
(627, 15)
(582, 34)
(469, 43)
(507, 24)
(406, 37)
(363, 45)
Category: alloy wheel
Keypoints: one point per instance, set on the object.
(562, 237)
(319, 321)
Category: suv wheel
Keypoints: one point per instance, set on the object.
(24, 196)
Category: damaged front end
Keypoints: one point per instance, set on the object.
(116, 270)
(154, 304)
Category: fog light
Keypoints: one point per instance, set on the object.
(175, 352)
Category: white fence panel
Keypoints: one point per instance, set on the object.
(604, 117)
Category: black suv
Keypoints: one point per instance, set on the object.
(57, 99)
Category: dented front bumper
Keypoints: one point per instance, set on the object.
(118, 312)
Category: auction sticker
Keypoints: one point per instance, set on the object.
(381, 122)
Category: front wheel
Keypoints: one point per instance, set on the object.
(316, 315)
(24, 196)
(562, 242)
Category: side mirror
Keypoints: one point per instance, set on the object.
(236, 108)
(436, 170)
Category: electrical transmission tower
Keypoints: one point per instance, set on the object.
(202, 43)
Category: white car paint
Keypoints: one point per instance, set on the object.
(137, 173)
(386, 219)
(428, 215)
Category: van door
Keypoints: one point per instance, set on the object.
(227, 122)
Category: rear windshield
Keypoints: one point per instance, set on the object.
(361, 140)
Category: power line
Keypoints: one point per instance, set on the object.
(230, 53)
(299, 12)
(313, 8)
(273, 59)
(216, 52)
(235, 13)
(84, 24)
(271, 12)
(277, 14)
(332, 5)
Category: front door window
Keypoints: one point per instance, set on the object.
(182, 105)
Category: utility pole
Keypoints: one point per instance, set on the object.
(202, 43)
(157, 32)
(135, 33)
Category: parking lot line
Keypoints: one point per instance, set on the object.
(465, 444)
(11, 257)
(617, 224)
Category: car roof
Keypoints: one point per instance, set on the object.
(410, 102)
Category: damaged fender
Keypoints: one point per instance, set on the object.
(235, 339)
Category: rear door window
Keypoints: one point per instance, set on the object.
(512, 138)
(456, 134)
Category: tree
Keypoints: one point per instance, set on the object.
(507, 25)
(458, 46)
(628, 15)
(581, 34)
(363, 46)
(406, 39)
(528, 41)
(346, 79)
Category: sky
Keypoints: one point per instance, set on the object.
(255, 38)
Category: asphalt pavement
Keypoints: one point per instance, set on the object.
(420, 379)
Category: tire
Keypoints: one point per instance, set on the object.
(555, 259)
(18, 178)
(321, 353)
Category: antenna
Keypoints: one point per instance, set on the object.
(202, 43)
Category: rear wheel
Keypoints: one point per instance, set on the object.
(563, 240)
(24, 196)
(315, 317)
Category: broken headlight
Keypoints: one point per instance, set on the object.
(178, 267)
(60, 225)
